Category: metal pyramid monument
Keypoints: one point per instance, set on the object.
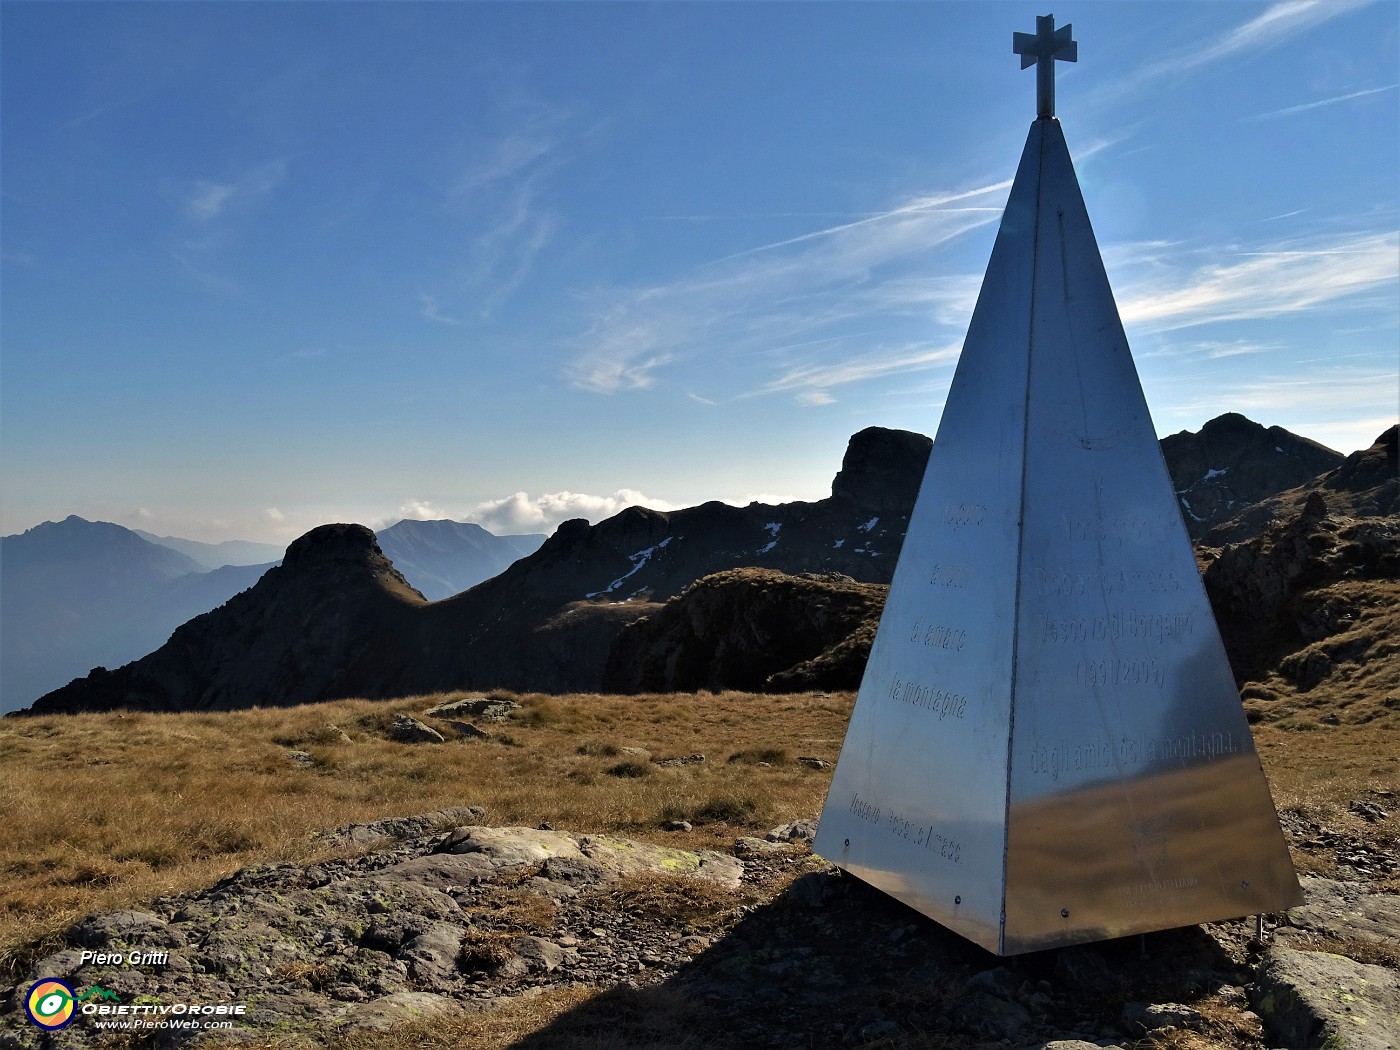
(1048, 747)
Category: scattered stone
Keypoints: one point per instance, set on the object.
(1141, 1018)
(538, 954)
(796, 831)
(676, 825)
(340, 736)
(436, 921)
(811, 890)
(813, 763)
(408, 730)
(1368, 811)
(124, 929)
(989, 1017)
(1085, 970)
(433, 954)
(686, 760)
(474, 707)
(999, 982)
(882, 1029)
(301, 758)
(1312, 999)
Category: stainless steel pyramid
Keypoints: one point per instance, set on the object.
(1048, 747)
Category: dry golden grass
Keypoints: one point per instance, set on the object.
(101, 811)
(1316, 774)
(109, 810)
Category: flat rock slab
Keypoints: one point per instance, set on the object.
(1347, 909)
(390, 1011)
(478, 707)
(499, 848)
(1310, 1000)
(401, 828)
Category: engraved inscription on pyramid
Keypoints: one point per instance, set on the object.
(1048, 747)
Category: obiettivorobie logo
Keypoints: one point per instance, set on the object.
(50, 1004)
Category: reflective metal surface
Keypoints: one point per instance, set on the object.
(1048, 747)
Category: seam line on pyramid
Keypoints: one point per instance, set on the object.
(1020, 543)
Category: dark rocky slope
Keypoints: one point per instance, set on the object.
(750, 629)
(1233, 462)
(1364, 485)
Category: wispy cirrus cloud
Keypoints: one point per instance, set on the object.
(1273, 26)
(793, 312)
(500, 198)
(1262, 282)
(1351, 96)
(207, 199)
(813, 383)
(429, 309)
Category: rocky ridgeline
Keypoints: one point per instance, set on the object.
(764, 946)
(337, 620)
(1232, 463)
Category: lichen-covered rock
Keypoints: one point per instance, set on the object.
(1309, 1000)
(390, 1011)
(1347, 910)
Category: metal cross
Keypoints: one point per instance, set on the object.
(1043, 48)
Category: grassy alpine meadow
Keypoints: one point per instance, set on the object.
(104, 811)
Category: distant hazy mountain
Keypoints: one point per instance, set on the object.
(79, 594)
(337, 619)
(216, 555)
(442, 558)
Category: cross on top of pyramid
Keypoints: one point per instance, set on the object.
(1042, 48)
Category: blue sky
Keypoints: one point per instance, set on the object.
(271, 265)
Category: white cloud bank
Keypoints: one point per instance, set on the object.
(521, 512)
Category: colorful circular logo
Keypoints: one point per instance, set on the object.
(49, 1004)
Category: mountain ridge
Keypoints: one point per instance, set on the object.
(79, 594)
(547, 623)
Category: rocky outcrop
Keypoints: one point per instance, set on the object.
(1315, 999)
(763, 945)
(1365, 485)
(1308, 595)
(750, 629)
(1232, 463)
